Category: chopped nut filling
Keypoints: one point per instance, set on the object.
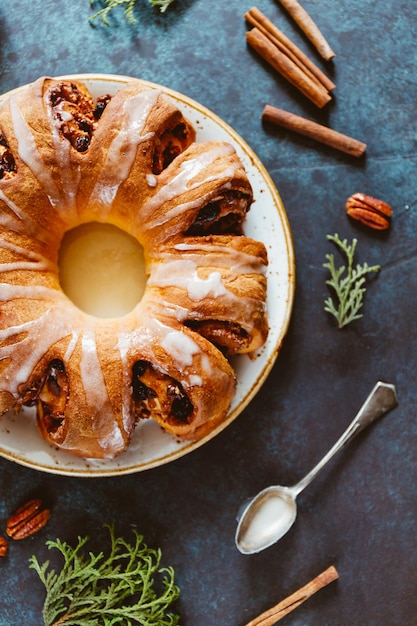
(155, 393)
(76, 113)
(169, 145)
(222, 215)
(7, 162)
(227, 336)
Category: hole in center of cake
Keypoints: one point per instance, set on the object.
(102, 269)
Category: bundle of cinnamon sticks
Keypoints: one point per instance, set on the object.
(298, 69)
(287, 58)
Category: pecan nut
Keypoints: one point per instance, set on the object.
(3, 546)
(370, 211)
(27, 520)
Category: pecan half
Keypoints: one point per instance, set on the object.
(3, 546)
(370, 211)
(27, 520)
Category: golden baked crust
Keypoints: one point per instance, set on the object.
(130, 160)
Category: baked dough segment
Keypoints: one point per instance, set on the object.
(119, 162)
(187, 359)
(203, 173)
(216, 285)
(48, 176)
(92, 380)
(35, 220)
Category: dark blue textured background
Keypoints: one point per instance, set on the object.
(360, 515)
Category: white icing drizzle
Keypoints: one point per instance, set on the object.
(34, 339)
(32, 292)
(223, 256)
(90, 368)
(12, 206)
(34, 261)
(164, 308)
(194, 381)
(184, 274)
(204, 271)
(180, 347)
(122, 150)
(109, 435)
(70, 175)
(206, 364)
(151, 180)
(64, 115)
(201, 288)
(147, 330)
(123, 345)
(71, 346)
(151, 216)
(8, 221)
(30, 155)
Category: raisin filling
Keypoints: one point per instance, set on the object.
(228, 337)
(101, 103)
(50, 395)
(76, 113)
(7, 162)
(170, 144)
(222, 215)
(157, 394)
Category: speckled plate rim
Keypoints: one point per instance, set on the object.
(39, 455)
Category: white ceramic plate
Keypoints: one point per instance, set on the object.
(267, 222)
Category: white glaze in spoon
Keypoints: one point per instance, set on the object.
(270, 514)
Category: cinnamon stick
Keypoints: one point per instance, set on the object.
(311, 129)
(256, 18)
(280, 610)
(287, 68)
(309, 28)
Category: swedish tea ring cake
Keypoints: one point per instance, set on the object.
(130, 160)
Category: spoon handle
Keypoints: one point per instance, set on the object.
(382, 399)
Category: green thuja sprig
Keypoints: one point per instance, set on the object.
(125, 587)
(128, 5)
(348, 283)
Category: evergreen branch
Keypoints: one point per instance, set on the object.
(348, 283)
(129, 6)
(120, 588)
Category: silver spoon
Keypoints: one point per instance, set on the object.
(270, 514)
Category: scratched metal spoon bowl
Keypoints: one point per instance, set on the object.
(271, 513)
